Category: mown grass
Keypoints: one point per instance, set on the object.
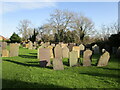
(24, 71)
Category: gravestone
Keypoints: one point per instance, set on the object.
(44, 55)
(103, 61)
(51, 51)
(53, 45)
(63, 45)
(82, 48)
(58, 51)
(65, 52)
(5, 53)
(58, 64)
(4, 45)
(14, 50)
(73, 58)
(70, 46)
(114, 50)
(26, 45)
(118, 53)
(95, 49)
(0, 49)
(87, 58)
(77, 48)
(38, 57)
(30, 45)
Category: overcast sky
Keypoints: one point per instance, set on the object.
(38, 13)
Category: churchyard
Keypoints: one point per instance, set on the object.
(46, 65)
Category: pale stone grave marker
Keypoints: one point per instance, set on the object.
(14, 50)
(82, 48)
(73, 58)
(77, 48)
(58, 51)
(87, 57)
(103, 61)
(58, 64)
(44, 54)
(30, 45)
(65, 52)
(51, 51)
(5, 53)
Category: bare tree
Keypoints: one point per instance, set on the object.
(25, 29)
(83, 25)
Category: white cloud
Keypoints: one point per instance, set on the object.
(6, 7)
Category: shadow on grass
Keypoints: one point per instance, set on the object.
(108, 68)
(32, 65)
(28, 56)
(21, 84)
(33, 53)
(101, 75)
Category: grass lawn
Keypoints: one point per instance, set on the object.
(24, 72)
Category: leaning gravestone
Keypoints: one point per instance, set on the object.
(73, 58)
(5, 53)
(103, 61)
(44, 54)
(82, 48)
(30, 45)
(77, 48)
(65, 52)
(95, 49)
(14, 50)
(58, 51)
(51, 51)
(87, 58)
(58, 64)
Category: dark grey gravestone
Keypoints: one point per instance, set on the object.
(44, 55)
(118, 53)
(87, 58)
(114, 50)
(73, 58)
(95, 49)
(14, 50)
(70, 46)
(103, 61)
(58, 64)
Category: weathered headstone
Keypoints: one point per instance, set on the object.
(58, 64)
(26, 45)
(95, 49)
(4, 45)
(53, 45)
(77, 48)
(51, 51)
(58, 51)
(14, 50)
(103, 61)
(30, 45)
(44, 54)
(87, 58)
(63, 45)
(82, 48)
(70, 46)
(5, 53)
(38, 52)
(73, 58)
(65, 52)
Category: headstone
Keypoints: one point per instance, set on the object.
(4, 45)
(26, 45)
(73, 60)
(38, 57)
(82, 48)
(44, 54)
(114, 50)
(5, 53)
(63, 45)
(87, 58)
(103, 61)
(65, 52)
(58, 51)
(14, 50)
(30, 45)
(70, 46)
(53, 45)
(77, 48)
(118, 53)
(0, 49)
(51, 51)
(58, 64)
(95, 48)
